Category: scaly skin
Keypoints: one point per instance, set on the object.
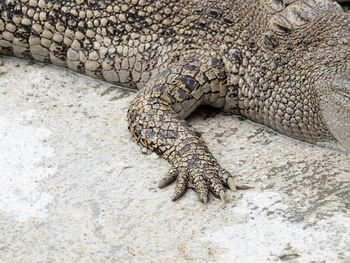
(282, 63)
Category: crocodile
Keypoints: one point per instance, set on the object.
(281, 63)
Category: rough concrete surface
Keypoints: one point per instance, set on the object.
(74, 188)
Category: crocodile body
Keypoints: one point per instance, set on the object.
(282, 63)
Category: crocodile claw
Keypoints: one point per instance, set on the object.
(228, 179)
(169, 178)
(181, 186)
(231, 184)
(205, 200)
(223, 197)
(203, 180)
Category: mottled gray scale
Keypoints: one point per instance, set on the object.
(275, 5)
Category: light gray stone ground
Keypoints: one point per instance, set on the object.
(74, 188)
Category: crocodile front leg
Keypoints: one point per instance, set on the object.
(156, 120)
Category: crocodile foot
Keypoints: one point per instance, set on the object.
(203, 178)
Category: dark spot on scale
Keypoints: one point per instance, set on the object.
(164, 73)
(150, 133)
(159, 151)
(215, 62)
(289, 47)
(189, 83)
(270, 42)
(202, 23)
(171, 98)
(228, 21)
(237, 56)
(189, 68)
(214, 12)
(171, 134)
(170, 32)
(198, 10)
(183, 95)
(251, 44)
(185, 149)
